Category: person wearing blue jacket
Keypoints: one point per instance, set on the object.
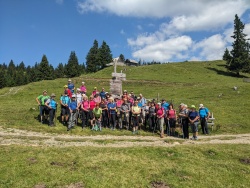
(73, 107)
(204, 115)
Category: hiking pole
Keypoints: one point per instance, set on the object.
(55, 117)
(168, 128)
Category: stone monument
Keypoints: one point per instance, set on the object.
(116, 81)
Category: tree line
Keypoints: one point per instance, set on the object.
(238, 59)
(15, 75)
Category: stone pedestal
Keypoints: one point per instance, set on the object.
(116, 87)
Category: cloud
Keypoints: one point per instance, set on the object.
(60, 2)
(163, 51)
(211, 48)
(122, 32)
(139, 27)
(176, 38)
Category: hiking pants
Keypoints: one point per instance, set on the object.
(104, 118)
(151, 122)
(72, 118)
(204, 126)
(85, 118)
(185, 128)
(51, 116)
(112, 121)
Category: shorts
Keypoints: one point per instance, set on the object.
(172, 123)
(194, 127)
(65, 111)
(44, 110)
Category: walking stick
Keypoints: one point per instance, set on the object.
(168, 128)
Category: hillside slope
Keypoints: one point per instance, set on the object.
(190, 82)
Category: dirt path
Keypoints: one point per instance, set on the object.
(28, 138)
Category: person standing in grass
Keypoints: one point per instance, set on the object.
(171, 119)
(94, 91)
(125, 109)
(136, 111)
(103, 93)
(193, 118)
(83, 88)
(72, 112)
(66, 89)
(64, 101)
(204, 116)
(71, 86)
(152, 116)
(160, 118)
(44, 112)
(85, 111)
(51, 105)
(103, 106)
(112, 113)
(118, 102)
(97, 112)
(183, 115)
(92, 104)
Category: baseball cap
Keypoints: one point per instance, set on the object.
(201, 105)
(193, 106)
(74, 96)
(65, 86)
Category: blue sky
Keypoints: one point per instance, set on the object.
(160, 30)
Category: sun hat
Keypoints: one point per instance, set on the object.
(83, 82)
(65, 86)
(201, 105)
(44, 91)
(53, 95)
(78, 89)
(69, 80)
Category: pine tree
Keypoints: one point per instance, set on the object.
(45, 71)
(226, 55)
(72, 69)
(2, 78)
(92, 58)
(104, 55)
(59, 71)
(240, 51)
(122, 58)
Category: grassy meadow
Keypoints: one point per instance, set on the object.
(188, 82)
(182, 166)
(205, 165)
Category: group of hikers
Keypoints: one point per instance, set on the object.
(103, 110)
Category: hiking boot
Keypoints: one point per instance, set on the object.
(162, 135)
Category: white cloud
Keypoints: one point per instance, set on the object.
(139, 27)
(171, 40)
(211, 48)
(122, 32)
(60, 2)
(162, 50)
(185, 15)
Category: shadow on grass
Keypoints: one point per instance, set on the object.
(225, 73)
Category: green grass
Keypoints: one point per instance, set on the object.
(182, 166)
(189, 82)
